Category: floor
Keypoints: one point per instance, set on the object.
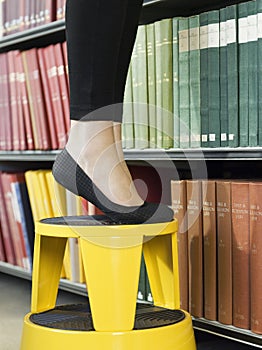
(15, 301)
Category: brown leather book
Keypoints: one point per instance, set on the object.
(179, 204)
(2, 249)
(195, 250)
(2, 107)
(224, 252)
(27, 14)
(255, 193)
(241, 253)
(210, 248)
(65, 57)
(6, 103)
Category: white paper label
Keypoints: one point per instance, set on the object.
(183, 41)
(213, 35)
(242, 30)
(204, 37)
(231, 32)
(204, 138)
(252, 28)
(194, 39)
(231, 137)
(223, 39)
(223, 137)
(259, 25)
(212, 137)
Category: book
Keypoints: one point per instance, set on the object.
(194, 81)
(151, 76)
(141, 294)
(128, 122)
(179, 206)
(232, 71)
(6, 105)
(223, 79)
(2, 249)
(241, 254)
(255, 193)
(167, 83)
(213, 79)
(209, 249)
(252, 73)
(259, 73)
(243, 74)
(195, 250)
(184, 96)
(224, 252)
(203, 18)
(176, 133)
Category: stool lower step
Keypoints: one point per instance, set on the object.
(78, 317)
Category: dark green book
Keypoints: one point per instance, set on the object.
(223, 80)
(252, 74)
(204, 78)
(141, 294)
(194, 81)
(176, 84)
(259, 76)
(167, 82)
(184, 97)
(151, 71)
(128, 118)
(159, 119)
(232, 70)
(140, 91)
(243, 74)
(213, 79)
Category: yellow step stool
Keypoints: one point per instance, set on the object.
(111, 319)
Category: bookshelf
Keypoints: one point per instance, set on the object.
(230, 161)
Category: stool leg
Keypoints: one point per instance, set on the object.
(112, 276)
(47, 266)
(161, 260)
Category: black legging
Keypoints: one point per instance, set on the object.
(100, 38)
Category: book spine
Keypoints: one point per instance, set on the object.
(213, 79)
(243, 74)
(259, 73)
(224, 252)
(128, 117)
(232, 69)
(195, 250)
(252, 74)
(179, 205)
(223, 79)
(2, 249)
(194, 81)
(241, 253)
(210, 249)
(255, 257)
(184, 96)
(167, 83)
(176, 127)
(151, 57)
(2, 102)
(204, 78)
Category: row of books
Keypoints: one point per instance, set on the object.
(220, 245)
(34, 99)
(16, 16)
(203, 74)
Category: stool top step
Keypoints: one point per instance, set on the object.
(98, 225)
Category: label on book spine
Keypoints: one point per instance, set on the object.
(203, 37)
(213, 35)
(223, 38)
(231, 31)
(194, 38)
(252, 28)
(259, 25)
(242, 30)
(183, 41)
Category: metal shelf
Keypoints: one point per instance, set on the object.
(222, 154)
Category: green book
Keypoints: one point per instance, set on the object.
(141, 294)
(176, 128)
(159, 119)
(204, 78)
(259, 75)
(184, 96)
(151, 57)
(243, 74)
(140, 91)
(213, 79)
(149, 296)
(167, 82)
(252, 74)
(128, 118)
(223, 80)
(232, 70)
(194, 81)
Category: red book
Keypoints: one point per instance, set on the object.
(195, 247)
(62, 80)
(50, 15)
(210, 249)
(49, 106)
(65, 57)
(6, 101)
(27, 125)
(241, 254)
(224, 252)
(27, 14)
(7, 239)
(55, 97)
(2, 111)
(2, 249)
(255, 195)
(13, 100)
(179, 204)
(15, 232)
